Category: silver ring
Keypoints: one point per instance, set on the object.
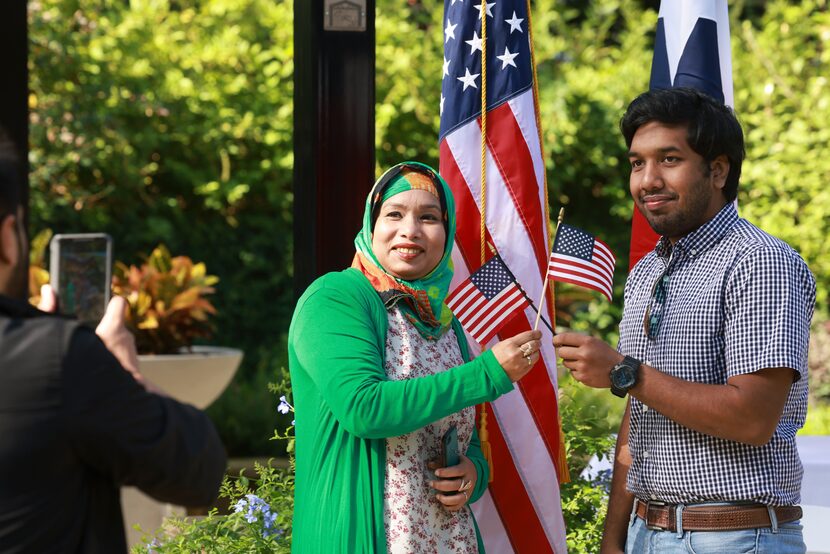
(466, 498)
(526, 349)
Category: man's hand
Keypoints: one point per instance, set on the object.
(589, 359)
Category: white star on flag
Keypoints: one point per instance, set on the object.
(449, 31)
(446, 68)
(475, 43)
(489, 11)
(507, 58)
(469, 79)
(515, 23)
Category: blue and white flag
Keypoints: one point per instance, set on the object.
(691, 49)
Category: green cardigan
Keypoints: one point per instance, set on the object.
(345, 407)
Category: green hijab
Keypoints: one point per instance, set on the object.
(420, 300)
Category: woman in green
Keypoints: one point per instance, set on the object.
(380, 371)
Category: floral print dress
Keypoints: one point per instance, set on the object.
(416, 522)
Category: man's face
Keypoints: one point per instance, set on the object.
(18, 287)
(672, 185)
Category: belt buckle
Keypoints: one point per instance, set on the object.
(650, 526)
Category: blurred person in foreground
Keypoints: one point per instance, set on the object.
(380, 371)
(712, 351)
(76, 421)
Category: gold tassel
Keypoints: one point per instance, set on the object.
(485, 440)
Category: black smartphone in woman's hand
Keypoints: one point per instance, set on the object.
(449, 448)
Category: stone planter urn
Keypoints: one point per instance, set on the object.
(195, 377)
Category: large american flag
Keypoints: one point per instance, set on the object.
(487, 300)
(582, 259)
(521, 511)
(691, 49)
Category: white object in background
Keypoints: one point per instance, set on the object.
(815, 457)
(815, 491)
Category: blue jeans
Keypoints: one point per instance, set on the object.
(786, 539)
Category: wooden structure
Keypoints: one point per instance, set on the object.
(14, 80)
(334, 131)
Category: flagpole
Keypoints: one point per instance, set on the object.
(483, 435)
(483, 193)
(547, 273)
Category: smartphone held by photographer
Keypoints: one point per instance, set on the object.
(80, 268)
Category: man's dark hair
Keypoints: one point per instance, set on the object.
(10, 183)
(712, 128)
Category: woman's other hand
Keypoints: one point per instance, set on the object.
(517, 355)
(460, 479)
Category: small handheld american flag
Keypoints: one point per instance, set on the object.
(581, 259)
(489, 298)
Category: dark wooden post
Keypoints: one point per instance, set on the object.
(334, 131)
(14, 81)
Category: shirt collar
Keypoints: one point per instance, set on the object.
(702, 238)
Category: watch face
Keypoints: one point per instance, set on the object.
(623, 377)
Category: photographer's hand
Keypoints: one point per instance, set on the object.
(120, 342)
(48, 300)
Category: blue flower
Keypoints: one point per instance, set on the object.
(284, 406)
(257, 507)
(239, 506)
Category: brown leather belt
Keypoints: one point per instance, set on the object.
(661, 516)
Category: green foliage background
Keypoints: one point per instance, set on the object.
(164, 121)
(171, 121)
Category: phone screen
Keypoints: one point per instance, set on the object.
(83, 275)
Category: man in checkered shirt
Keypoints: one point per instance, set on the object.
(712, 352)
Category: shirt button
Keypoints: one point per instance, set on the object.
(653, 496)
(648, 363)
(645, 408)
(645, 453)
(693, 252)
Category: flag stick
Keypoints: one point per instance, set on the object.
(538, 315)
(547, 273)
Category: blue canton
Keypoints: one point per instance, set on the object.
(492, 278)
(736, 300)
(509, 69)
(574, 242)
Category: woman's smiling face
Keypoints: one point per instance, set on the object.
(409, 236)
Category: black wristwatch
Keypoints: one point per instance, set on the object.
(624, 376)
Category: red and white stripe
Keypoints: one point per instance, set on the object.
(521, 511)
(481, 317)
(598, 274)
